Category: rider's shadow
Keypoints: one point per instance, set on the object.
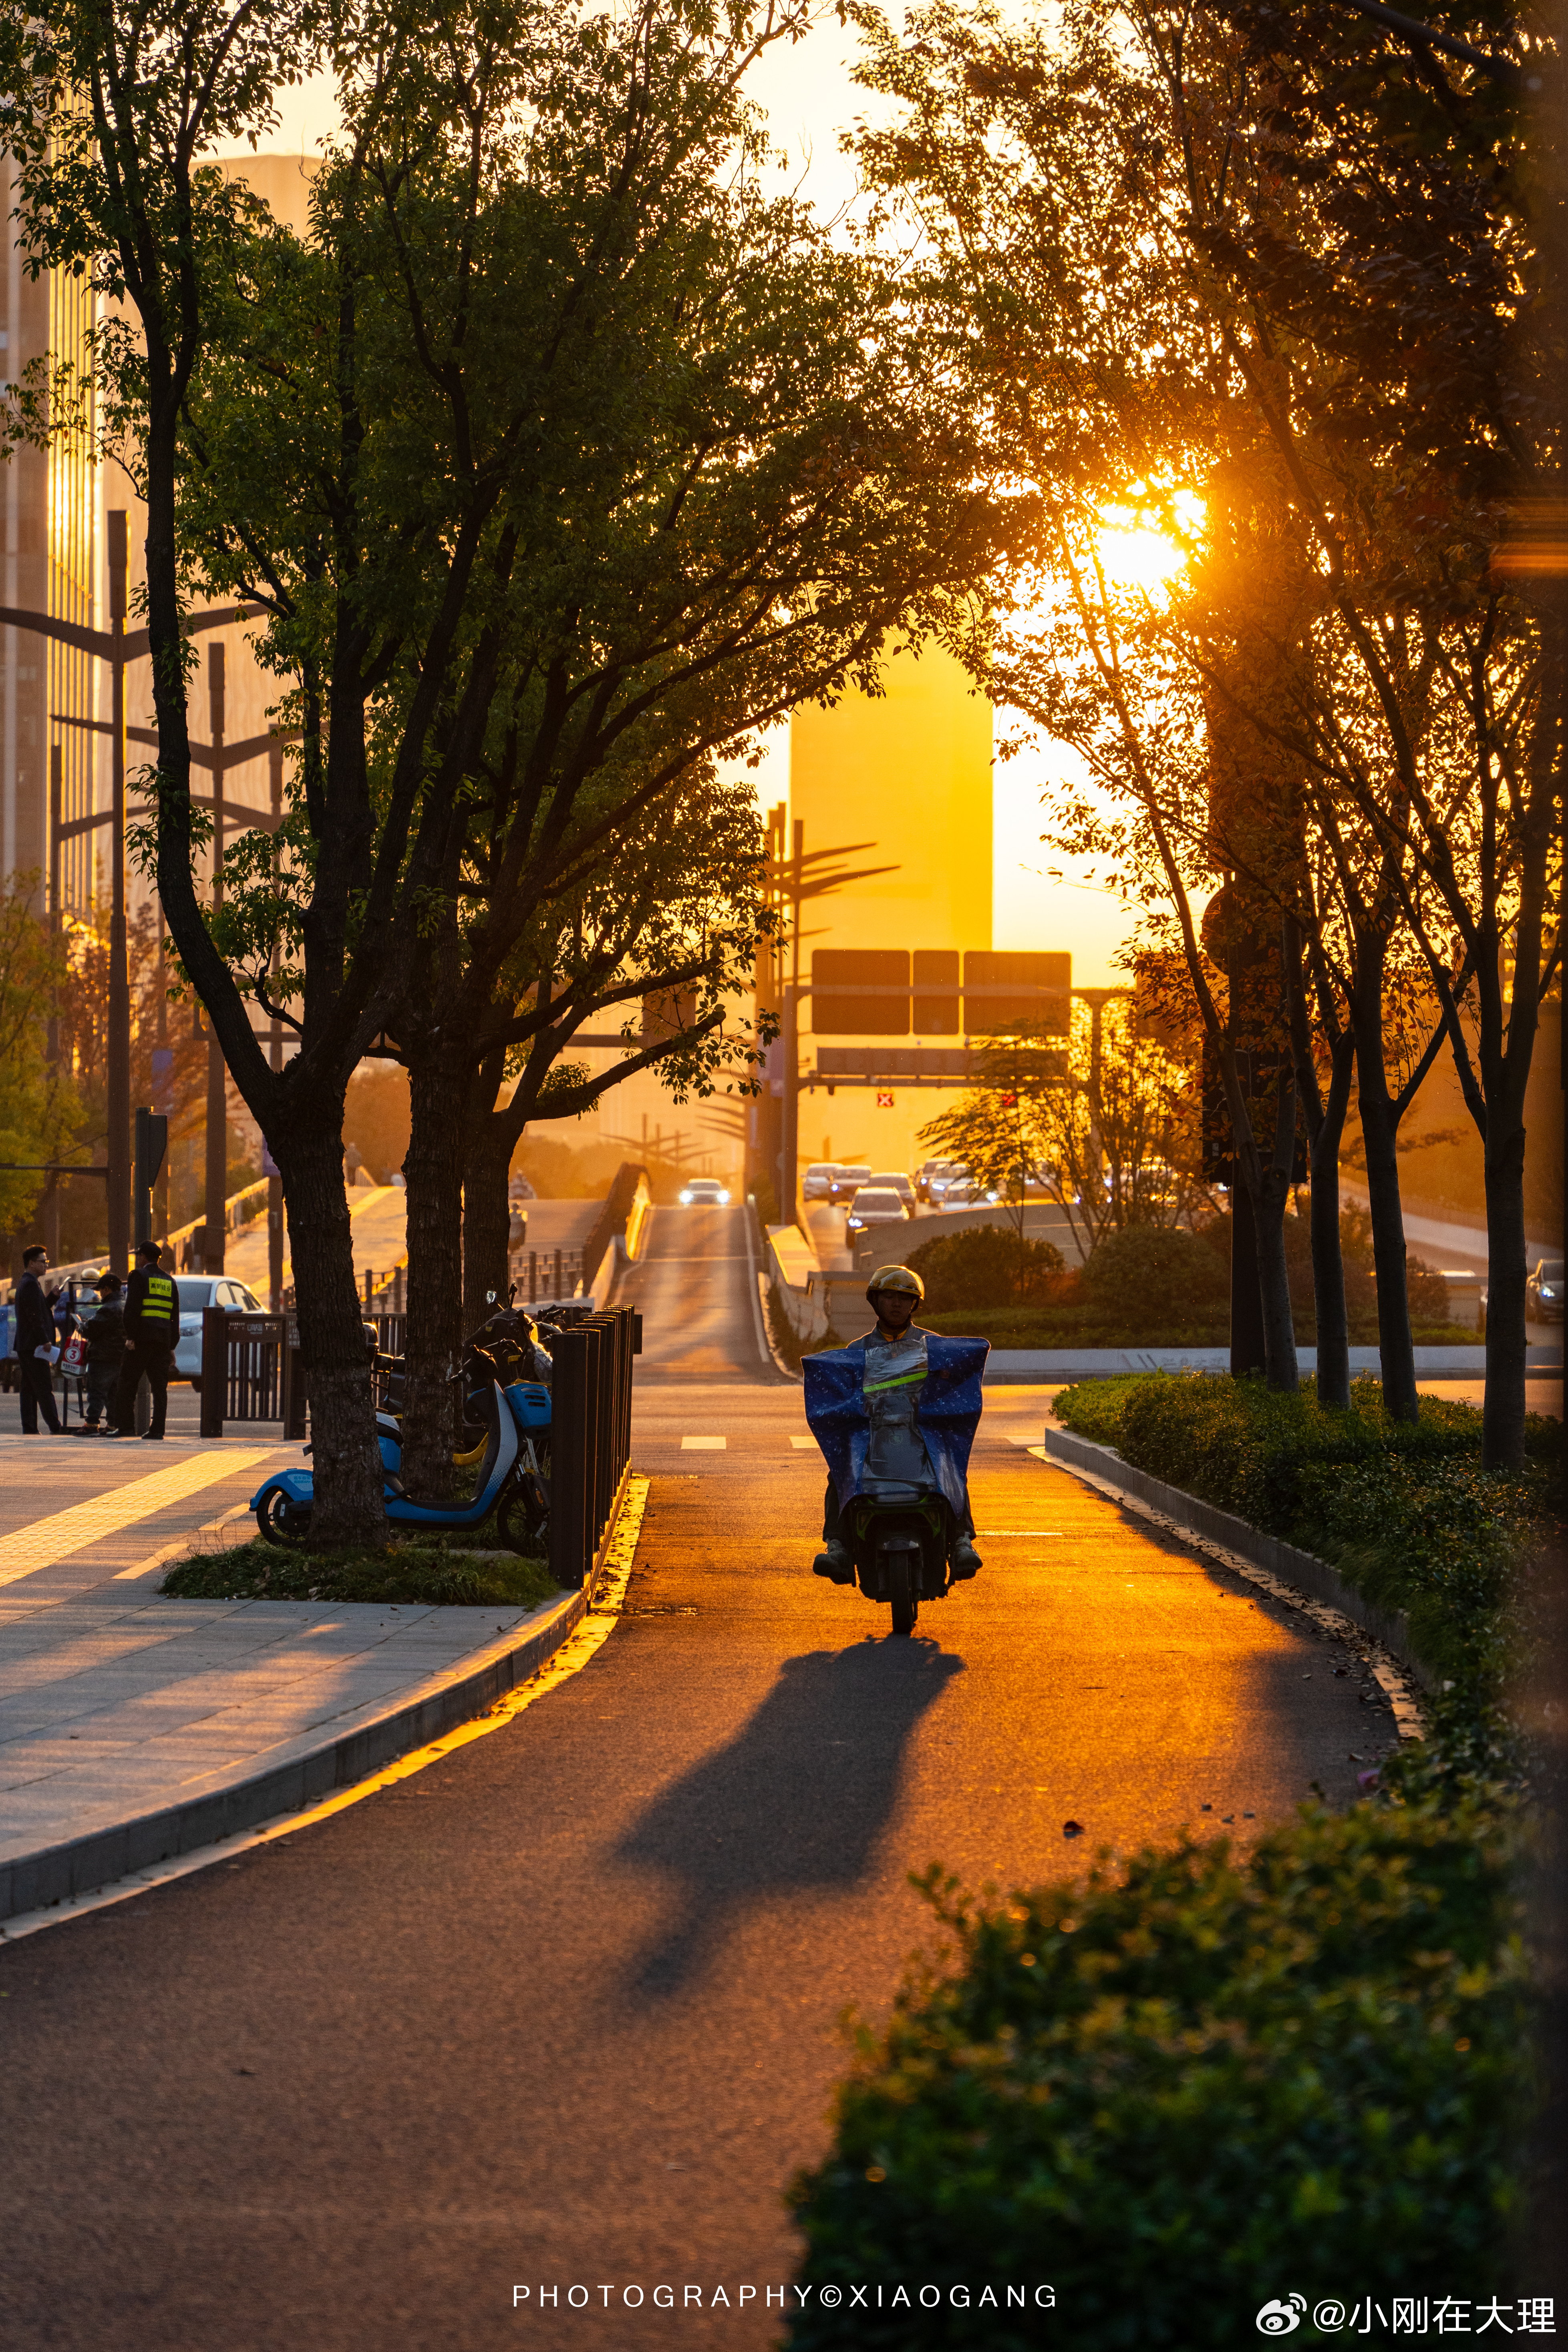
(799, 1800)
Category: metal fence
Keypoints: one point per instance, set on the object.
(543, 1276)
(250, 1371)
(590, 1437)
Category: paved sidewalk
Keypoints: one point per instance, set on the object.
(118, 1704)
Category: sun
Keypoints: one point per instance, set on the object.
(1141, 545)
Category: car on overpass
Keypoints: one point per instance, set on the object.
(816, 1184)
(872, 1206)
(704, 1192)
(847, 1179)
(893, 1180)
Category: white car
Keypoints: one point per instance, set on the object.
(873, 1206)
(893, 1180)
(943, 1178)
(965, 1194)
(196, 1292)
(704, 1192)
(816, 1184)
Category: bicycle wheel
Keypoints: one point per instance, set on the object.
(906, 1608)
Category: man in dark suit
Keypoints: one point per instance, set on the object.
(35, 1329)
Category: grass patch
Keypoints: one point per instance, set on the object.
(1179, 2090)
(1405, 1511)
(418, 1575)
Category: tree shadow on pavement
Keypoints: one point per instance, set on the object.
(798, 1799)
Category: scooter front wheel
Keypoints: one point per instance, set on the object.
(906, 1608)
(282, 1521)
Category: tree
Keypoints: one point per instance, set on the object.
(1105, 1128)
(1160, 241)
(546, 421)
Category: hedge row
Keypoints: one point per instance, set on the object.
(1183, 2089)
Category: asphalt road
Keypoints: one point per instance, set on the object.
(696, 1284)
(563, 2011)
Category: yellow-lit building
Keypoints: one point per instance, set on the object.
(908, 771)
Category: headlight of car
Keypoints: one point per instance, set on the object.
(686, 1199)
(723, 1200)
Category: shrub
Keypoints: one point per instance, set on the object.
(1177, 2092)
(402, 1575)
(1154, 1276)
(988, 1265)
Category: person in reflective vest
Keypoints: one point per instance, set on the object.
(152, 1333)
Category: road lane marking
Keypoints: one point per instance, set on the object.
(54, 1539)
(704, 1445)
(804, 1444)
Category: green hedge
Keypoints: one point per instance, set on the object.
(1404, 1511)
(1176, 2094)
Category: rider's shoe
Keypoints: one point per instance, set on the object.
(834, 1561)
(963, 1560)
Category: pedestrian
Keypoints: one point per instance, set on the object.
(152, 1329)
(35, 1344)
(105, 1355)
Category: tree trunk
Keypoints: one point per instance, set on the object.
(348, 1508)
(1248, 1347)
(1380, 1133)
(433, 1170)
(487, 1217)
(1274, 1281)
(1328, 1258)
(1502, 1415)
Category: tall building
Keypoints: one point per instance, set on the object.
(907, 771)
(48, 690)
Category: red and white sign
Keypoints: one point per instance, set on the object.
(884, 1102)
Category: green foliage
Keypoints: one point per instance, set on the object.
(1406, 1513)
(405, 1575)
(1155, 1275)
(1176, 2092)
(986, 1265)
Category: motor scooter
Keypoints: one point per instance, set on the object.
(900, 1552)
(509, 1482)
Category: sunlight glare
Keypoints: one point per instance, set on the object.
(1139, 549)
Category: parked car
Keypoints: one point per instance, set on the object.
(196, 1292)
(847, 1181)
(874, 1205)
(1543, 1291)
(893, 1180)
(816, 1184)
(704, 1192)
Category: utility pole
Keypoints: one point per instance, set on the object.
(118, 1152)
(275, 1054)
(216, 1188)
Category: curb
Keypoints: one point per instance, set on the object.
(1220, 1530)
(57, 1873)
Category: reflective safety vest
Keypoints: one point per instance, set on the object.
(152, 1303)
(161, 1300)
